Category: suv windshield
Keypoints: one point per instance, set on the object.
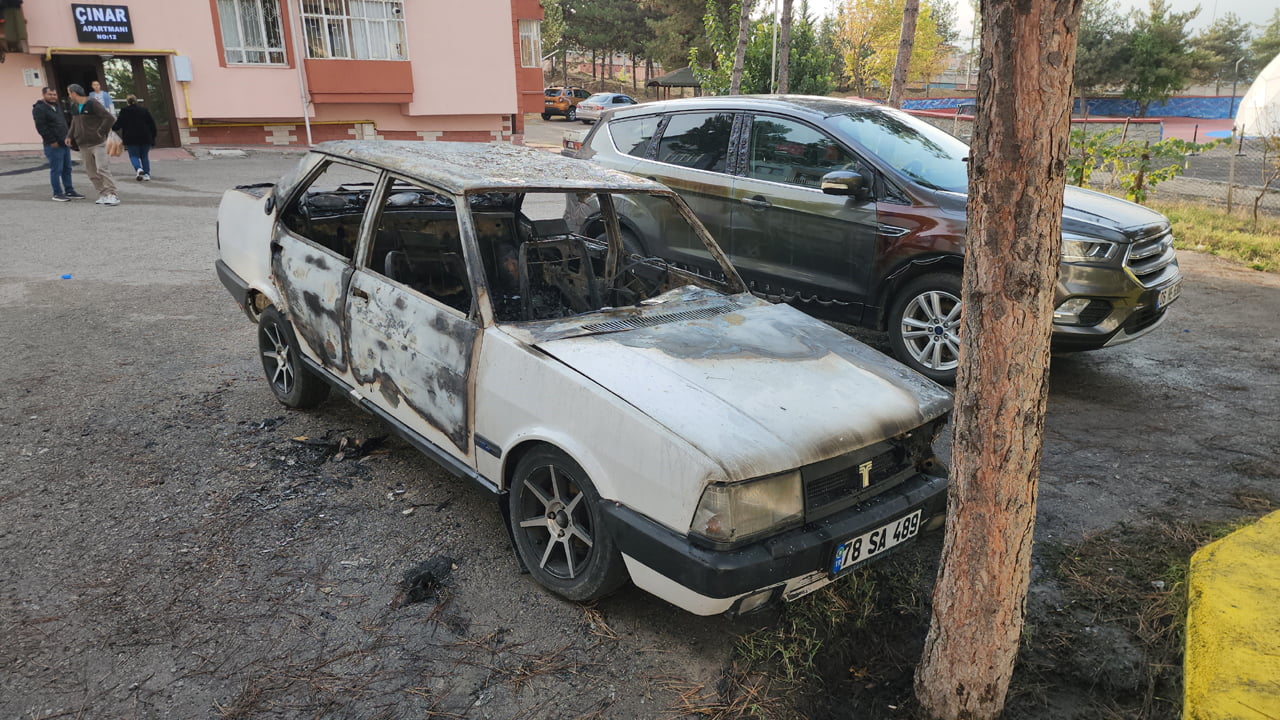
(914, 148)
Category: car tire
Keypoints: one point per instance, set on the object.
(546, 116)
(293, 384)
(587, 122)
(571, 114)
(924, 326)
(557, 523)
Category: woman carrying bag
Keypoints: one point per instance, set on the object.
(138, 130)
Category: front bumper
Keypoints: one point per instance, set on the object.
(1134, 310)
(706, 582)
(238, 288)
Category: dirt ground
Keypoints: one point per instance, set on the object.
(172, 549)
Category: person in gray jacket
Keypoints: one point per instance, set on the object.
(90, 126)
(52, 126)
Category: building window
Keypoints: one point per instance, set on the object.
(251, 32)
(530, 43)
(354, 29)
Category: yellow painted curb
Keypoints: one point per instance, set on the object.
(1232, 669)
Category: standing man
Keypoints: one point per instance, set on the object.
(52, 126)
(90, 126)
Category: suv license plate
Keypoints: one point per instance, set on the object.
(1168, 295)
(864, 547)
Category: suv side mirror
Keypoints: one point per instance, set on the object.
(844, 182)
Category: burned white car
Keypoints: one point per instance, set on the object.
(634, 420)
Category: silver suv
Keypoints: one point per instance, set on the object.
(855, 212)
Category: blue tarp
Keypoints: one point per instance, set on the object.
(1207, 108)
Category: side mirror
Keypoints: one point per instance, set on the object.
(843, 182)
(270, 205)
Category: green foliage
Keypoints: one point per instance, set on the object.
(1102, 53)
(714, 74)
(1160, 57)
(1218, 48)
(811, 58)
(1267, 44)
(1136, 167)
(677, 29)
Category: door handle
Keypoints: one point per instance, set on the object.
(359, 293)
(757, 202)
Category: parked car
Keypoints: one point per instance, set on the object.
(855, 212)
(632, 419)
(589, 110)
(562, 101)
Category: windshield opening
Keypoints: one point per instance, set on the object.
(918, 150)
(549, 255)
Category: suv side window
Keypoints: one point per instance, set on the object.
(632, 136)
(328, 212)
(790, 152)
(581, 94)
(697, 140)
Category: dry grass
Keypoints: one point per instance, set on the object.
(1207, 229)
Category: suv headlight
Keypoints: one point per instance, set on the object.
(736, 512)
(1083, 249)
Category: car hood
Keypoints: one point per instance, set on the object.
(759, 389)
(1090, 214)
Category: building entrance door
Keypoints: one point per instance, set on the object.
(147, 77)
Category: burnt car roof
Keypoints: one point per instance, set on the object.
(814, 104)
(461, 167)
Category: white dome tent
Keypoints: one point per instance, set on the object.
(1259, 111)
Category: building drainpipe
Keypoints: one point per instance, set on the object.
(302, 75)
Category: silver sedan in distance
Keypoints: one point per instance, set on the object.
(592, 108)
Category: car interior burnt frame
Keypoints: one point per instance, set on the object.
(534, 267)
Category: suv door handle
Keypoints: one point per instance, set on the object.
(758, 202)
(360, 293)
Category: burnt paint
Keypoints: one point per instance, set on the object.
(317, 320)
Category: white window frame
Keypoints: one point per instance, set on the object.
(530, 43)
(354, 29)
(231, 14)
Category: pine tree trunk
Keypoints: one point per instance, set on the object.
(784, 49)
(1013, 243)
(906, 42)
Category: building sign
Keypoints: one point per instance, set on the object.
(103, 23)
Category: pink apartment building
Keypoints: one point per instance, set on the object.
(273, 72)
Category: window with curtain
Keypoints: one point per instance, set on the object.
(530, 43)
(354, 29)
(251, 33)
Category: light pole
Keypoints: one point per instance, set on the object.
(1235, 80)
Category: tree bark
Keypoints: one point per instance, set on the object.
(1013, 242)
(906, 42)
(740, 49)
(784, 48)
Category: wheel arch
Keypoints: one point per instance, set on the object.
(905, 273)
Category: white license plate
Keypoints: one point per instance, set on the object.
(864, 547)
(1168, 295)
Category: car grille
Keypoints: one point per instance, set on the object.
(639, 321)
(836, 484)
(1151, 258)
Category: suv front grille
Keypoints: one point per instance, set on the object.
(1152, 259)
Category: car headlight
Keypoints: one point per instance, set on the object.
(1083, 249)
(735, 512)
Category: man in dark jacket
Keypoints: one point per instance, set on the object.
(138, 130)
(90, 126)
(52, 126)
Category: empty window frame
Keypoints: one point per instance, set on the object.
(251, 32)
(354, 29)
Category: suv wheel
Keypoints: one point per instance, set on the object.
(924, 326)
(546, 116)
(571, 114)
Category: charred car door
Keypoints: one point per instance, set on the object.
(414, 326)
(312, 254)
